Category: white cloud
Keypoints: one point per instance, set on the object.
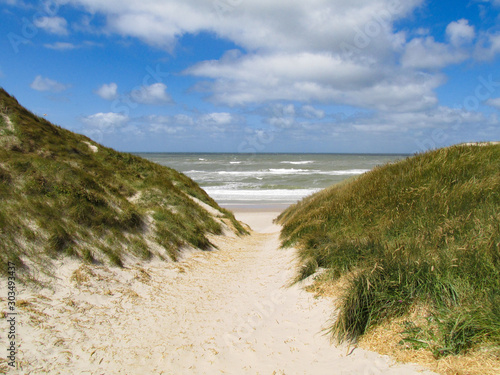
(487, 47)
(163, 124)
(256, 25)
(108, 91)
(215, 123)
(217, 118)
(332, 51)
(426, 53)
(335, 52)
(157, 119)
(309, 111)
(52, 25)
(281, 110)
(153, 94)
(289, 110)
(208, 123)
(315, 77)
(65, 46)
(183, 119)
(422, 31)
(281, 115)
(105, 122)
(494, 102)
(438, 126)
(439, 117)
(281, 122)
(460, 32)
(60, 46)
(283, 67)
(167, 129)
(46, 84)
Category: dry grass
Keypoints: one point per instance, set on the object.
(82, 275)
(142, 276)
(385, 339)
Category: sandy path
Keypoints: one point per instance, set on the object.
(220, 312)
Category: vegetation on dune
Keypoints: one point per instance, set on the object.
(421, 234)
(61, 193)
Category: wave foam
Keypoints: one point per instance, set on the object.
(297, 162)
(280, 171)
(274, 195)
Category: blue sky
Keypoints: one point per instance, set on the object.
(388, 76)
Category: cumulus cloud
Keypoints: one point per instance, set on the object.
(309, 111)
(283, 67)
(316, 77)
(166, 129)
(52, 25)
(217, 118)
(161, 125)
(494, 102)
(447, 120)
(209, 123)
(316, 50)
(281, 115)
(46, 84)
(333, 52)
(60, 46)
(216, 122)
(105, 122)
(255, 25)
(487, 47)
(108, 91)
(153, 94)
(183, 119)
(281, 110)
(426, 53)
(65, 46)
(281, 122)
(460, 32)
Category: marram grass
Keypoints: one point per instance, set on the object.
(61, 194)
(423, 231)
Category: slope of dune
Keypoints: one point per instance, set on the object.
(415, 243)
(63, 195)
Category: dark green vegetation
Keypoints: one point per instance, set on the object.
(61, 193)
(423, 233)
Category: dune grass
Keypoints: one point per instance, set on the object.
(423, 232)
(60, 196)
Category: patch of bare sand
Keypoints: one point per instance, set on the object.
(221, 312)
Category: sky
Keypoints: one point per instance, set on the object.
(334, 76)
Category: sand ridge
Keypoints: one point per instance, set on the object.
(226, 311)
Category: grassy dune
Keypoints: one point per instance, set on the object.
(61, 193)
(422, 235)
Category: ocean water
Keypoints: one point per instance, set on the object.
(240, 179)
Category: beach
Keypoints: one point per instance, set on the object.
(226, 311)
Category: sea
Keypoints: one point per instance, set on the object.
(268, 179)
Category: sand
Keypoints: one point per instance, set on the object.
(226, 311)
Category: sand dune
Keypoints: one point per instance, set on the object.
(221, 312)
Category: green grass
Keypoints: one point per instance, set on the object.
(60, 198)
(421, 232)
